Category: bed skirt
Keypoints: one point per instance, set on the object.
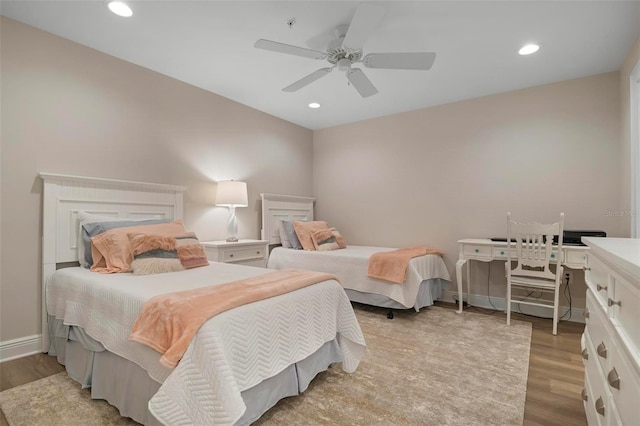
(129, 388)
(428, 293)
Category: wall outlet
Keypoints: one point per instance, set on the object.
(568, 277)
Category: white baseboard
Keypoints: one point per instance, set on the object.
(21, 347)
(499, 304)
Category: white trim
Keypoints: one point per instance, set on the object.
(634, 127)
(84, 180)
(500, 303)
(21, 347)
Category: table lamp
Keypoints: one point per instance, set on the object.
(232, 194)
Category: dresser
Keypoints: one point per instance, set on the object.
(243, 252)
(611, 340)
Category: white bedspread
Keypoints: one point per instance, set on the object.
(231, 352)
(350, 266)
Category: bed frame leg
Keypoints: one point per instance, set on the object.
(390, 314)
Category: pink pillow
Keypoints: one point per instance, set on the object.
(112, 251)
(303, 231)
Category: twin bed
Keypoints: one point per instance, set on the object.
(239, 363)
(425, 276)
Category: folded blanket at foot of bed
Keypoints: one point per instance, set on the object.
(392, 265)
(168, 322)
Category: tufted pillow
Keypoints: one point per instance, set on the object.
(303, 231)
(327, 239)
(155, 254)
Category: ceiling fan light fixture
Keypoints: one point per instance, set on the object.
(120, 8)
(314, 105)
(528, 49)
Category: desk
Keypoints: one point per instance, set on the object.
(486, 250)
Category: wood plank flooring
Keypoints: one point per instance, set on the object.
(553, 388)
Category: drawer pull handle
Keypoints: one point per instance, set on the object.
(586, 314)
(602, 350)
(586, 268)
(230, 255)
(612, 302)
(614, 379)
(585, 397)
(600, 288)
(585, 354)
(600, 406)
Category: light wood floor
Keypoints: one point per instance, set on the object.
(553, 388)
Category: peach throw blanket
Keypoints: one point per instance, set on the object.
(168, 322)
(392, 265)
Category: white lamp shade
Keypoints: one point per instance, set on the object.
(232, 193)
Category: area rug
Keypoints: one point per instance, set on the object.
(435, 367)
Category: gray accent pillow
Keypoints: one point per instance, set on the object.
(284, 238)
(287, 226)
(90, 230)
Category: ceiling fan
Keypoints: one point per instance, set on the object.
(346, 50)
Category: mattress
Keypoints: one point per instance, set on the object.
(230, 353)
(350, 266)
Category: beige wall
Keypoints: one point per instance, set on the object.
(70, 109)
(625, 157)
(437, 175)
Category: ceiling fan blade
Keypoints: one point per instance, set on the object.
(365, 20)
(363, 85)
(400, 61)
(289, 49)
(307, 80)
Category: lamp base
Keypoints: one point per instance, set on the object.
(232, 240)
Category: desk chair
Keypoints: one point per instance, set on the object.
(532, 272)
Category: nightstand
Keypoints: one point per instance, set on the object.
(243, 252)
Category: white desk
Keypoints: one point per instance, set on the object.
(485, 250)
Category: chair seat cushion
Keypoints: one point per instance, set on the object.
(532, 282)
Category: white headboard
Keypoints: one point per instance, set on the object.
(64, 196)
(277, 207)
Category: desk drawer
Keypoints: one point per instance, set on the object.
(477, 251)
(574, 259)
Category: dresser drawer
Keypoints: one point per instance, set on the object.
(597, 406)
(624, 384)
(597, 278)
(624, 309)
(593, 418)
(599, 332)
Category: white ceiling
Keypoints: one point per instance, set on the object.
(209, 44)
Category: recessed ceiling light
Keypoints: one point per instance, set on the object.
(314, 105)
(120, 8)
(528, 49)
